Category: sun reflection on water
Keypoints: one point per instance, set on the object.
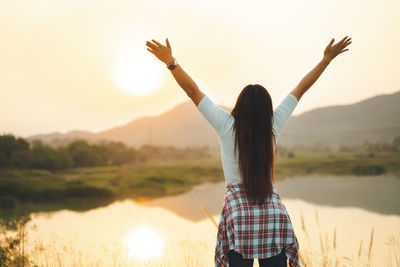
(144, 243)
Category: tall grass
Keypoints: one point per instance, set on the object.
(328, 255)
(186, 252)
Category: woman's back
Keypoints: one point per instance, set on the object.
(267, 227)
(248, 231)
(222, 122)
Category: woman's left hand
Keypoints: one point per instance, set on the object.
(332, 51)
(162, 52)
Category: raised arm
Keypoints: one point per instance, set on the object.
(184, 80)
(329, 54)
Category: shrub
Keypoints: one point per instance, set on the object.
(8, 202)
(368, 169)
(84, 154)
(87, 192)
(148, 187)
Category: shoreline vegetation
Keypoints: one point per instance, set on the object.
(120, 172)
(156, 171)
(14, 238)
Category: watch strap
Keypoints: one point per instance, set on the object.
(172, 65)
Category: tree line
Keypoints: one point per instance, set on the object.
(16, 152)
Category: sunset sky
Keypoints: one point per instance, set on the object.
(67, 65)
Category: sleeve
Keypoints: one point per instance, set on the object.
(282, 113)
(216, 116)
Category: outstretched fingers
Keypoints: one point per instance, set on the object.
(344, 46)
(151, 45)
(331, 42)
(160, 45)
(346, 43)
(340, 43)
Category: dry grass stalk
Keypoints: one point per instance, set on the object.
(316, 217)
(359, 250)
(321, 243)
(370, 246)
(303, 226)
(203, 208)
(324, 261)
(395, 246)
(326, 242)
(336, 262)
(334, 239)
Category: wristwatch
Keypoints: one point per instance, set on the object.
(172, 65)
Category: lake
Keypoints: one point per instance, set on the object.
(333, 217)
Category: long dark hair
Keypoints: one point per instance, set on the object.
(254, 139)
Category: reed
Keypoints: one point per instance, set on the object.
(334, 239)
(371, 241)
(200, 253)
(359, 250)
(204, 210)
(303, 227)
(328, 255)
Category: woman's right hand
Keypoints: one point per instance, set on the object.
(332, 51)
(162, 52)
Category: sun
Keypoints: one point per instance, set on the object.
(144, 243)
(138, 73)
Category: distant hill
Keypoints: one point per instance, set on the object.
(374, 119)
(180, 126)
(58, 139)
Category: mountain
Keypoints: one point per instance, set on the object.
(375, 119)
(180, 126)
(58, 139)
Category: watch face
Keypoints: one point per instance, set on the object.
(172, 65)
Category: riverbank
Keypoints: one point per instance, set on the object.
(86, 188)
(326, 233)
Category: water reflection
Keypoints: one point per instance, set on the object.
(144, 242)
(124, 233)
(174, 231)
(379, 194)
(98, 237)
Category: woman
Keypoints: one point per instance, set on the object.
(254, 222)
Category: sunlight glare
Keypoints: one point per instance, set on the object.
(139, 73)
(144, 243)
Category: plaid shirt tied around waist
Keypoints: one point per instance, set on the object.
(256, 231)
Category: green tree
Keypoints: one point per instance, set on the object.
(64, 159)
(44, 157)
(84, 154)
(21, 159)
(9, 144)
(117, 153)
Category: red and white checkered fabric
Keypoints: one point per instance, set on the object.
(256, 231)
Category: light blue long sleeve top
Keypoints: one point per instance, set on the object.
(222, 122)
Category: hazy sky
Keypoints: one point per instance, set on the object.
(66, 65)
